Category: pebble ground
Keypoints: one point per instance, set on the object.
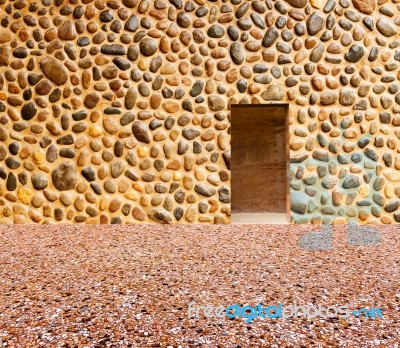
(129, 286)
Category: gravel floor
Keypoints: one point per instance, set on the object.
(129, 286)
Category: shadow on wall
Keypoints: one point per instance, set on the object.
(342, 188)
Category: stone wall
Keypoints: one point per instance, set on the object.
(118, 111)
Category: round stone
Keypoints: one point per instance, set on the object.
(355, 53)
(39, 181)
(64, 177)
(43, 87)
(270, 37)
(140, 131)
(237, 53)
(386, 27)
(216, 103)
(54, 70)
(216, 31)
(91, 100)
(106, 16)
(28, 111)
(148, 47)
(67, 31)
(132, 23)
(315, 23)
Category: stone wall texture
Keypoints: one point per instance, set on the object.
(119, 111)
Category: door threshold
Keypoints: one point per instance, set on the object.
(259, 218)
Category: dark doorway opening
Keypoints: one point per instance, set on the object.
(260, 158)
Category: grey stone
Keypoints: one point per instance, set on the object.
(299, 202)
(233, 33)
(329, 183)
(347, 97)
(237, 53)
(257, 20)
(392, 206)
(263, 79)
(386, 27)
(117, 168)
(79, 115)
(180, 196)
(317, 53)
(190, 133)
(245, 23)
(330, 5)
(182, 147)
(67, 139)
(216, 103)
(122, 64)
(12, 163)
(373, 54)
(197, 88)
(351, 181)
(178, 213)
(328, 98)
(216, 31)
(39, 181)
(270, 37)
(130, 98)
(183, 20)
(64, 177)
(273, 92)
(133, 53)
(177, 3)
(127, 118)
(203, 207)
(106, 16)
(227, 158)
(160, 215)
(260, 68)
(355, 53)
(378, 199)
(3, 174)
(132, 24)
(11, 183)
(89, 174)
(369, 23)
(67, 153)
(224, 195)
(205, 190)
(315, 23)
(241, 11)
(242, 85)
(131, 175)
(113, 49)
(372, 154)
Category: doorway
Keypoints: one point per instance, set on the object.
(259, 163)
